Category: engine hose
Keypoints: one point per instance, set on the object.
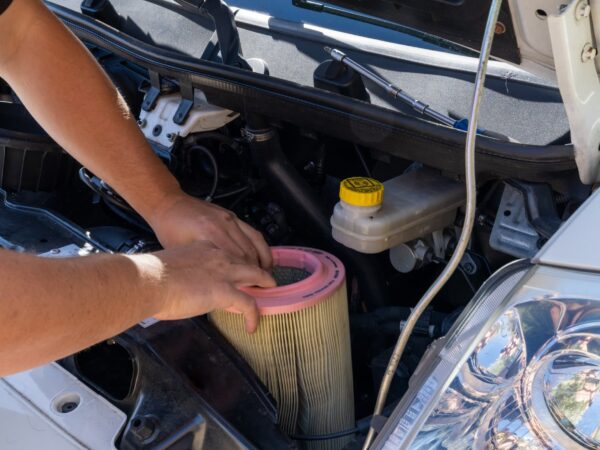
(215, 167)
(467, 229)
(304, 206)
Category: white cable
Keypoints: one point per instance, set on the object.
(467, 229)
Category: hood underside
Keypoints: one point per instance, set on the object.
(522, 33)
(461, 22)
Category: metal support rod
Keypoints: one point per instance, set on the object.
(467, 229)
(390, 89)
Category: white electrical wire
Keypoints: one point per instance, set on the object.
(467, 229)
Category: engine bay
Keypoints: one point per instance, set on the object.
(177, 380)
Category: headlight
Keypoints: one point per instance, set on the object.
(519, 370)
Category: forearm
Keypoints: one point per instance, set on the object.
(52, 308)
(71, 97)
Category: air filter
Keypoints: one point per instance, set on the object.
(301, 349)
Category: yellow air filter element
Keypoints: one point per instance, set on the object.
(301, 350)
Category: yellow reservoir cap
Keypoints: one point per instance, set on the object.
(361, 191)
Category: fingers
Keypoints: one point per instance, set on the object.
(228, 235)
(246, 275)
(229, 245)
(237, 234)
(246, 305)
(265, 256)
(187, 220)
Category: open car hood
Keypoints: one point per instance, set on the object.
(522, 35)
(460, 22)
(555, 39)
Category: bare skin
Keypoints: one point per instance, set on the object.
(52, 308)
(70, 96)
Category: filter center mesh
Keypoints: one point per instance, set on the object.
(285, 275)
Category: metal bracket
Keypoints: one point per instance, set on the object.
(153, 92)
(574, 51)
(187, 102)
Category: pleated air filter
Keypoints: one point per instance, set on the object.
(301, 349)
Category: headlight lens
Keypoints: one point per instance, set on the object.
(520, 370)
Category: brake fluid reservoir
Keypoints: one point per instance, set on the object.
(372, 217)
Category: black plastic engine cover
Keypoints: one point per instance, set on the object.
(29, 159)
(182, 386)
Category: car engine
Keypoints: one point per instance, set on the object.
(185, 382)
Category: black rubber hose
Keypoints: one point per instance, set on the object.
(303, 205)
(215, 167)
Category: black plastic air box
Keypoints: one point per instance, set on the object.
(29, 159)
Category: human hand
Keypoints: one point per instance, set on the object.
(199, 278)
(182, 219)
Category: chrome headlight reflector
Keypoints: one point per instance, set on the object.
(520, 369)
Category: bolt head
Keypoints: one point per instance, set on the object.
(143, 428)
(588, 53)
(469, 268)
(142, 123)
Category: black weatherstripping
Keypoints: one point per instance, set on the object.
(337, 116)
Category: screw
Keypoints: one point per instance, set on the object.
(170, 136)
(143, 428)
(142, 123)
(156, 130)
(500, 28)
(588, 53)
(582, 10)
(469, 268)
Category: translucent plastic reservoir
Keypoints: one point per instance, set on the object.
(414, 205)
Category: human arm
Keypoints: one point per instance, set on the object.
(51, 308)
(70, 96)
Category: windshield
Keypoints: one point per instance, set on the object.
(286, 10)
